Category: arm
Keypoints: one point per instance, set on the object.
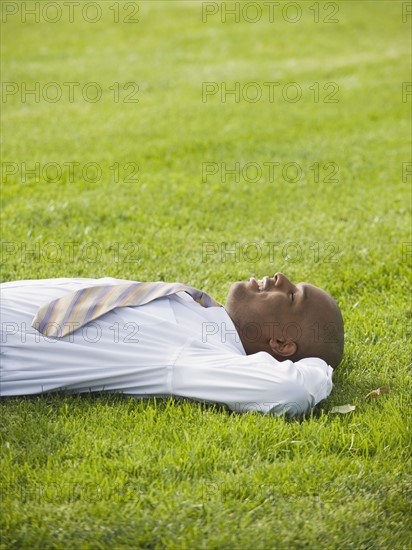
(251, 382)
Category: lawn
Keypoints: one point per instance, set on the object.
(175, 141)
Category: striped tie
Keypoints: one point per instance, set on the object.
(66, 315)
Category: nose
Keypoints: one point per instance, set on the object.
(281, 281)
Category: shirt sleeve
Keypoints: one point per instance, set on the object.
(255, 382)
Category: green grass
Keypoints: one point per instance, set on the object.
(106, 471)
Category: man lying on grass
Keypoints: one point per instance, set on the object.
(272, 348)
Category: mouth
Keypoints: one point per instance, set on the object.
(260, 285)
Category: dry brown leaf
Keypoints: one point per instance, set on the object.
(343, 409)
(377, 392)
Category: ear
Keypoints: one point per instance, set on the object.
(284, 348)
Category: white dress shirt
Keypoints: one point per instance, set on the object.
(170, 347)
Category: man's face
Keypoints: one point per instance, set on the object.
(278, 311)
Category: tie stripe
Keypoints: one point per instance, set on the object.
(66, 315)
(73, 309)
(46, 319)
(94, 307)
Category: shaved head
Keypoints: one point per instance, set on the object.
(322, 331)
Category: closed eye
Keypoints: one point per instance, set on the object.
(292, 296)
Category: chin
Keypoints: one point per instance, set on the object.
(236, 291)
